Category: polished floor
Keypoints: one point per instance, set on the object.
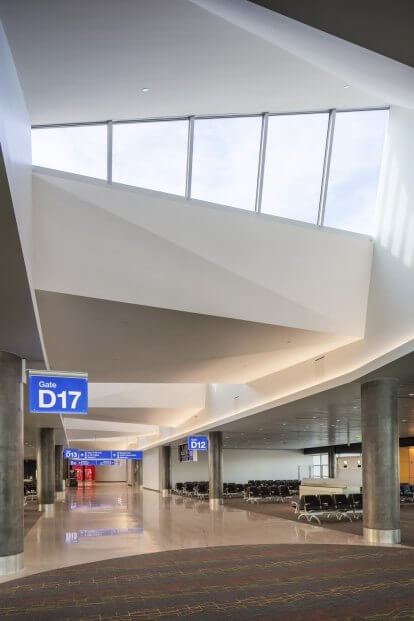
(109, 520)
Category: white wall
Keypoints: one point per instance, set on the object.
(240, 465)
(352, 474)
(223, 262)
(151, 469)
(111, 473)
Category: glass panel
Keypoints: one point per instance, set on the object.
(226, 157)
(151, 155)
(324, 458)
(294, 165)
(325, 472)
(80, 150)
(316, 459)
(355, 166)
(316, 471)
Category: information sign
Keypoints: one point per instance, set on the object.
(92, 455)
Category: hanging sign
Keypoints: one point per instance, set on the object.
(92, 455)
(58, 393)
(197, 443)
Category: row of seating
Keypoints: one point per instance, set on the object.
(313, 507)
(268, 493)
(253, 491)
(200, 489)
(292, 484)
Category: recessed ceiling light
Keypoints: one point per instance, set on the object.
(411, 394)
(403, 420)
(145, 89)
(347, 86)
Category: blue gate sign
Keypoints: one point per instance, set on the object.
(58, 394)
(70, 453)
(197, 443)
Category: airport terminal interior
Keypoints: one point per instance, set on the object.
(206, 310)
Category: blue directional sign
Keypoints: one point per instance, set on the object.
(126, 454)
(70, 453)
(92, 462)
(93, 455)
(197, 443)
(58, 394)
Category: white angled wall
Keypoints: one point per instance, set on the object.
(223, 262)
(151, 469)
(240, 465)
(15, 141)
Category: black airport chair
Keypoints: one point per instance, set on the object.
(309, 508)
(357, 506)
(406, 493)
(201, 490)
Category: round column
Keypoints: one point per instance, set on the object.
(215, 466)
(331, 462)
(140, 474)
(59, 480)
(46, 469)
(11, 464)
(380, 461)
(165, 470)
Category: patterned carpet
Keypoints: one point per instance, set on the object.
(263, 582)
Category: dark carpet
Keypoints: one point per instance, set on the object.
(285, 511)
(263, 582)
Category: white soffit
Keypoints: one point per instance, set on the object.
(86, 424)
(86, 61)
(130, 395)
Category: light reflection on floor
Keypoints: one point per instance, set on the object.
(109, 520)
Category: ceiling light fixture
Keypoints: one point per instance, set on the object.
(347, 86)
(145, 89)
(403, 420)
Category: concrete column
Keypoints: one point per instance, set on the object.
(46, 469)
(165, 470)
(331, 462)
(65, 470)
(131, 472)
(11, 464)
(59, 480)
(380, 465)
(215, 467)
(140, 473)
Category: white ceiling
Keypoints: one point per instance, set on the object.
(117, 342)
(85, 61)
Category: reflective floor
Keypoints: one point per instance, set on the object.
(108, 520)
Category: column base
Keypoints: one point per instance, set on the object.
(140, 488)
(48, 509)
(215, 503)
(11, 564)
(165, 493)
(379, 536)
(60, 495)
